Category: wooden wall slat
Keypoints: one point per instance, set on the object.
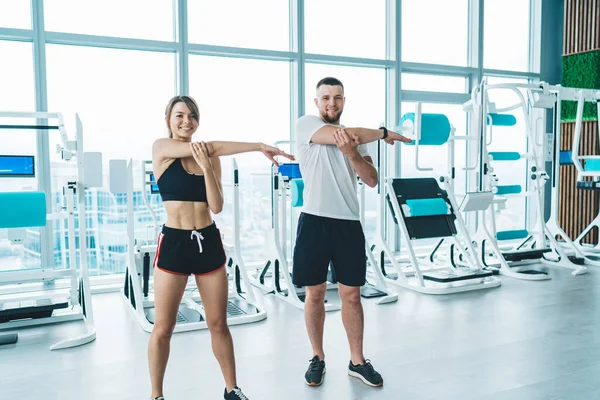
(591, 22)
(582, 26)
(571, 31)
(576, 27)
(585, 24)
(574, 19)
(597, 24)
(568, 28)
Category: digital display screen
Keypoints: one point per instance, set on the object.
(153, 185)
(17, 166)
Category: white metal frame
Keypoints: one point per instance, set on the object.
(419, 284)
(485, 232)
(235, 261)
(581, 96)
(279, 280)
(374, 272)
(462, 240)
(79, 280)
(540, 232)
(234, 264)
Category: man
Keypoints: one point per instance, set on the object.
(329, 229)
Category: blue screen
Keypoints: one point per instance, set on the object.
(153, 185)
(13, 166)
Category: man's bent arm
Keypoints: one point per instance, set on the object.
(365, 169)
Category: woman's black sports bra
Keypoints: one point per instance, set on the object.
(176, 184)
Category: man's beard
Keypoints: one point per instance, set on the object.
(330, 120)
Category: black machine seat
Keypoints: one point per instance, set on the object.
(426, 226)
(28, 309)
(588, 185)
(456, 275)
(533, 254)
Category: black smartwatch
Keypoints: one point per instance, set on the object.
(385, 132)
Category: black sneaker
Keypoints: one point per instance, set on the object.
(159, 398)
(366, 373)
(235, 394)
(316, 371)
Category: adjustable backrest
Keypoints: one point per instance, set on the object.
(425, 203)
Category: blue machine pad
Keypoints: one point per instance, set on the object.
(427, 207)
(22, 209)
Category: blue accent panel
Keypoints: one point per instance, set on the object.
(592, 165)
(22, 209)
(290, 170)
(512, 235)
(297, 191)
(502, 119)
(427, 207)
(565, 157)
(435, 128)
(505, 155)
(509, 189)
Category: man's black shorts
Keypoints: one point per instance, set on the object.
(320, 240)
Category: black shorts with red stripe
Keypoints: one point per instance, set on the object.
(187, 252)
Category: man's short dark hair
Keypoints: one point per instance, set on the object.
(330, 81)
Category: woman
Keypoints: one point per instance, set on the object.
(189, 180)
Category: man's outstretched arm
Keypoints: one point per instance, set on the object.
(325, 135)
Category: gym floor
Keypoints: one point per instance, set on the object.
(522, 341)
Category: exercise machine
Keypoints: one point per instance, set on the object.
(275, 277)
(423, 210)
(497, 249)
(50, 300)
(242, 307)
(538, 241)
(587, 166)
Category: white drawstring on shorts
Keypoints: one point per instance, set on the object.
(199, 237)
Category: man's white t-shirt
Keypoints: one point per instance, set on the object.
(329, 179)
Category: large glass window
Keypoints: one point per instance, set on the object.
(259, 24)
(506, 35)
(15, 14)
(345, 28)
(250, 107)
(435, 31)
(129, 19)
(365, 91)
(17, 84)
(120, 96)
(17, 93)
(434, 83)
